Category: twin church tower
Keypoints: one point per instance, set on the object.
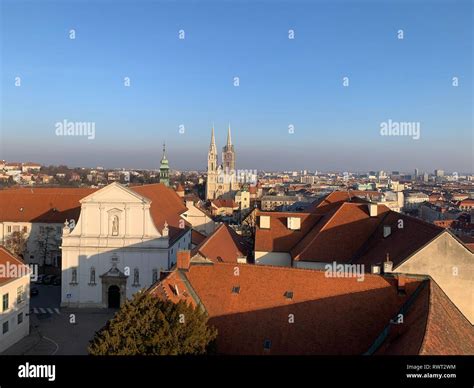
(221, 179)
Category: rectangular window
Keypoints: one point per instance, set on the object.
(92, 277)
(41, 229)
(19, 294)
(58, 230)
(267, 345)
(5, 327)
(5, 302)
(74, 276)
(25, 229)
(20, 318)
(16, 228)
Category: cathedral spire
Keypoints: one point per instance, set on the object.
(213, 139)
(229, 138)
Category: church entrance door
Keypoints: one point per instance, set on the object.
(114, 297)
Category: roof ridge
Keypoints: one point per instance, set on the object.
(336, 210)
(363, 248)
(208, 238)
(449, 300)
(281, 268)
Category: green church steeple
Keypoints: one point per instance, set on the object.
(164, 169)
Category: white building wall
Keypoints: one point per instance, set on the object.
(310, 265)
(16, 331)
(451, 265)
(281, 259)
(92, 243)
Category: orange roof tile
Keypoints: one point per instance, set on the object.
(55, 205)
(7, 259)
(432, 326)
(224, 245)
(331, 315)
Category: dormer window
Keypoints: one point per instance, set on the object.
(267, 345)
(264, 222)
(293, 223)
(236, 290)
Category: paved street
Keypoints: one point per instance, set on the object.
(51, 329)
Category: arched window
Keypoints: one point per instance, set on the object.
(74, 276)
(92, 277)
(136, 277)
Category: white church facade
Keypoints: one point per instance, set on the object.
(122, 240)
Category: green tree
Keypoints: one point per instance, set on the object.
(147, 325)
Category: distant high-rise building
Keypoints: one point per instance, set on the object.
(425, 177)
(417, 172)
(439, 173)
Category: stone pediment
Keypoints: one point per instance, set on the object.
(115, 193)
(114, 272)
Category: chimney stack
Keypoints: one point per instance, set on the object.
(183, 260)
(388, 265)
(401, 285)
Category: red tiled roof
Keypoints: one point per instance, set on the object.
(221, 202)
(278, 238)
(339, 235)
(344, 196)
(8, 259)
(166, 205)
(343, 231)
(468, 242)
(433, 326)
(47, 205)
(223, 245)
(55, 205)
(401, 243)
(331, 315)
(197, 237)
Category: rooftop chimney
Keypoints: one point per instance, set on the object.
(183, 260)
(372, 209)
(388, 265)
(401, 285)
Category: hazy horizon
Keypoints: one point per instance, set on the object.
(282, 82)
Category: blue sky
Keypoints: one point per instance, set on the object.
(282, 82)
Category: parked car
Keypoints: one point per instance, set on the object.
(34, 291)
(48, 279)
(57, 281)
(39, 279)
